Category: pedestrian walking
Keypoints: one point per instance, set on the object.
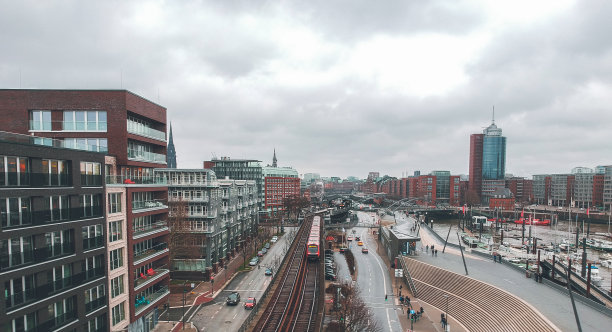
(436, 252)
(385, 297)
(432, 247)
(427, 248)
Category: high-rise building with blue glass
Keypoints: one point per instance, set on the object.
(493, 153)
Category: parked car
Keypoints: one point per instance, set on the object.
(259, 253)
(274, 239)
(254, 261)
(267, 246)
(343, 249)
(250, 303)
(233, 299)
(264, 250)
(268, 271)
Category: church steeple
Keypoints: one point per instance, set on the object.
(171, 154)
(274, 159)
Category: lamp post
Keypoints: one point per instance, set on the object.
(184, 295)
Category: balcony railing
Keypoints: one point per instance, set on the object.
(35, 140)
(48, 217)
(156, 227)
(202, 199)
(136, 180)
(93, 242)
(146, 156)
(55, 323)
(39, 255)
(144, 302)
(134, 128)
(44, 291)
(194, 183)
(154, 204)
(90, 180)
(95, 304)
(151, 275)
(151, 252)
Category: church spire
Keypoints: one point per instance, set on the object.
(171, 155)
(274, 159)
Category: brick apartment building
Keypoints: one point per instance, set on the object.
(133, 131)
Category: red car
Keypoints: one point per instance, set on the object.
(250, 303)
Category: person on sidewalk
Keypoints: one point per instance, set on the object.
(427, 248)
(436, 252)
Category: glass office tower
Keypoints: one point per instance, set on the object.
(493, 153)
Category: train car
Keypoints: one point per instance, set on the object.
(313, 245)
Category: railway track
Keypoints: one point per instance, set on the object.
(292, 307)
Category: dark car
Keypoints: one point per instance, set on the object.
(364, 250)
(250, 303)
(268, 271)
(233, 299)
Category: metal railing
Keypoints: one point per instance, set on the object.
(144, 302)
(139, 205)
(95, 304)
(137, 129)
(149, 252)
(146, 156)
(46, 141)
(158, 226)
(93, 242)
(48, 217)
(151, 275)
(150, 180)
(39, 255)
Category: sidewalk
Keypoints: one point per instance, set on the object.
(430, 321)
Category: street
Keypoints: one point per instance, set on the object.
(373, 278)
(217, 315)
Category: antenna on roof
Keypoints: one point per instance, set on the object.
(493, 113)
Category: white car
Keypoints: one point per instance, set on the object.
(254, 261)
(274, 239)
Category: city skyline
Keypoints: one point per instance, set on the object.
(336, 94)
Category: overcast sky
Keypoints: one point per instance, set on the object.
(338, 87)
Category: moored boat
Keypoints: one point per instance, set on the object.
(536, 222)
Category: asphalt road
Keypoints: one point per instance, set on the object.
(217, 316)
(373, 278)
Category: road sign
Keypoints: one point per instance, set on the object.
(399, 273)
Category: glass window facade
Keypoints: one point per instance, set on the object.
(493, 157)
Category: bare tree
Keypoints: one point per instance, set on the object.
(182, 242)
(352, 314)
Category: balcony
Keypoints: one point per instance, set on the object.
(40, 255)
(192, 183)
(46, 290)
(148, 205)
(95, 304)
(144, 302)
(93, 242)
(90, 180)
(140, 130)
(153, 228)
(132, 181)
(149, 253)
(55, 323)
(203, 199)
(50, 217)
(151, 276)
(145, 156)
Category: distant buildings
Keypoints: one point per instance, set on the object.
(239, 169)
(280, 183)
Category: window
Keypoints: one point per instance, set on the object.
(14, 171)
(87, 144)
(115, 231)
(114, 203)
(63, 311)
(118, 313)
(97, 324)
(117, 286)
(59, 242)
(20, 324)
(15, 211)
(93, 266)
(40, 120)
(84, 121)
(58, 208)
(55, 172)
(116, 258)
(92, 236)
(94, 298)
(91, 205)
(19, 290)
(16, 251)
(91, 174)
(60, 276)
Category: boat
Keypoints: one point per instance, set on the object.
(607, 263)
(596, 279)
(536, 222)
(477, 221)
(601, 245)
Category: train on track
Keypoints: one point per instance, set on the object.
(313, 245)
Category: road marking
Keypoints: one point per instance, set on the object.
(509, 281)
(235, 316)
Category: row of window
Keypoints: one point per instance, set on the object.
(16, 171)
(40, 120)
